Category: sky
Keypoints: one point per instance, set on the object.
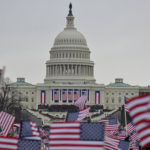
(117, 33)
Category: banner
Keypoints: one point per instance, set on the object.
(64, 95)
(70, 95)
(76, 94)
(56, 95)
(97, 97)
(43, 97)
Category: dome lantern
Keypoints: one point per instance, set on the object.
(70, 18)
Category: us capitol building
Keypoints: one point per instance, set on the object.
(70, 74)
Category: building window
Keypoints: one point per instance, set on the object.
(126, 93)
(112, 100)
(119, 99)
(107, 93)
(119, 93)
(70, 101)
(32, 92)
(56, 101)
(26, 99)
(107, 100)
(32, 99)
(132, 93)
(112, 93)
(26, 92)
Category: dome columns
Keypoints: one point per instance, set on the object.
(69, 69)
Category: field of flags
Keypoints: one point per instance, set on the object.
(77, 134)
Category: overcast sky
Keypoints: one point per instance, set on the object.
(117, 33)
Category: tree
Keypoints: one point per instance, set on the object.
(10, 101)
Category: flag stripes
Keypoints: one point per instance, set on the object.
(139, 109)
(66, 136)
(81, 102)
(83, 113)
(6, 122)
(8, 143)
(76, 145)
(111, 143)
(64, 131)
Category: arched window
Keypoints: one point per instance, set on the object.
(112, 100)
(119, 99)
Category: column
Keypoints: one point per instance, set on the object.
(60, 69)
(53, 70)
(75, 69)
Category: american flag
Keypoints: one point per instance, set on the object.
(133, 139)
(29, 130)
(104, 120)
(42, 133)
(84, 92)
(83, 113)
(56, 95)
(130, 128)
(122, 134)
(78, 116)
(125, 105)
(44, 147)
(81, 102)
(111, 143)
(70, 94)
(139, 108)
(28, 144)
(75, 136)
(76, 94)
(112, 127)
(123, 145)
(64, 95)
(6, 122)
(8, 143)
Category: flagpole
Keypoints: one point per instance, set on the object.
(125, 115)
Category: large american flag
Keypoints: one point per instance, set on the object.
(76, 94)
(139, 109)
(8, 143)
(76, 136)
(70, 94)
(64, 95)
(6, 122)
(56, 95)
(81, 102)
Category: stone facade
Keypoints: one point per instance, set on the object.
(70, 74)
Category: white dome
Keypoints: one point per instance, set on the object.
(70, 37)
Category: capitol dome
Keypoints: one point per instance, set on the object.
(70, 37)
(70, 57)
